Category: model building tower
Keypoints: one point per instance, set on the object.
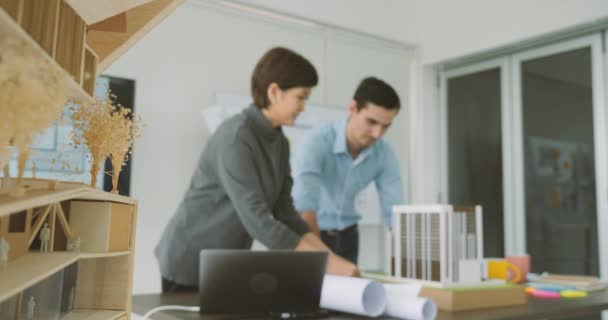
(429, 242)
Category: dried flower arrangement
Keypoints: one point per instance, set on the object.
(91, 128)
(33, 95)
(124, 129)
(108, 130)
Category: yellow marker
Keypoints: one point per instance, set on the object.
(573, 294)
(530, 289)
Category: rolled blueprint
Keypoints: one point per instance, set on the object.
(353, 295)
(403, 302)
(370, 298)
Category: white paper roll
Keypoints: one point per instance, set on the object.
(403, 302)
(353, 295)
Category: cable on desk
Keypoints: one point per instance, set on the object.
(163, 308)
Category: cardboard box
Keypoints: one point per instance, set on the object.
(471, 298)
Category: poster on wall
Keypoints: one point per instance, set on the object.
(226, 105)
(553, 158)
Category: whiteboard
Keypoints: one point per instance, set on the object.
(226, 105)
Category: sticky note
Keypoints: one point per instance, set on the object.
(573, 294)
(545, 294)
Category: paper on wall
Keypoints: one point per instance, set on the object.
(213, 117)
(370, 298)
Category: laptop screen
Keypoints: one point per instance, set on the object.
(252, 282)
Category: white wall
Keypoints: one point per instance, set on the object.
(391, 19)
(446, 29)
(184, 61)
(455, 28)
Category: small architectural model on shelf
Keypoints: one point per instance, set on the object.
(45, 49)
(85, 235)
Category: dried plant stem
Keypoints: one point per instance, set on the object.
(23, 155)
(6, 178)
(116, 168)
(95, 166)
(108, 130)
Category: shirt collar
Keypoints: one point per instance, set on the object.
(340, 142)
(260, 122)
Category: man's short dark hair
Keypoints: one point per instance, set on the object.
(284, 67)
(376, 91)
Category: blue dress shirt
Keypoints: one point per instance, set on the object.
(327, 178)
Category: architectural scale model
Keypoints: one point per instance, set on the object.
(66, 249)
(430, 242)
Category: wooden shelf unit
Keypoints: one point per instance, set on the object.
(30, 269)
(38, 194)
(40, 19)
(9, 28)
(102, 270)
(71, 37)
(78, 39)
(90, 71)
(90, 314)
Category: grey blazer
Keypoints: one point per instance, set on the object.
(240, 191)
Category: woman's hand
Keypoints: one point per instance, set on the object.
(339, 266)
(336, 265)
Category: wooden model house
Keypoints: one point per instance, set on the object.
(66, 250)
(67, 282)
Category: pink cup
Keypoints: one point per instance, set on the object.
(522, 262)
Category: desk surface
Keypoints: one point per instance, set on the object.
(535, 309)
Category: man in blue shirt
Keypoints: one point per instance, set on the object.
(338, 160)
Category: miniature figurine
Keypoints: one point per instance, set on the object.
(31, 307)
(71, 299)
(45, 236)
(5, 247)
(34, 170)
(74, 244)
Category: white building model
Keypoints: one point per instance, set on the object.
(434, 242)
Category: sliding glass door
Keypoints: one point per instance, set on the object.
(560, 155)
(475, 123)
(525, 137)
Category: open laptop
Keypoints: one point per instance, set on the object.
(283, 284)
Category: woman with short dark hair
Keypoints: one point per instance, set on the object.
(241, 188)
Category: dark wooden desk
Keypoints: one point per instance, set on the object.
(535, 309)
